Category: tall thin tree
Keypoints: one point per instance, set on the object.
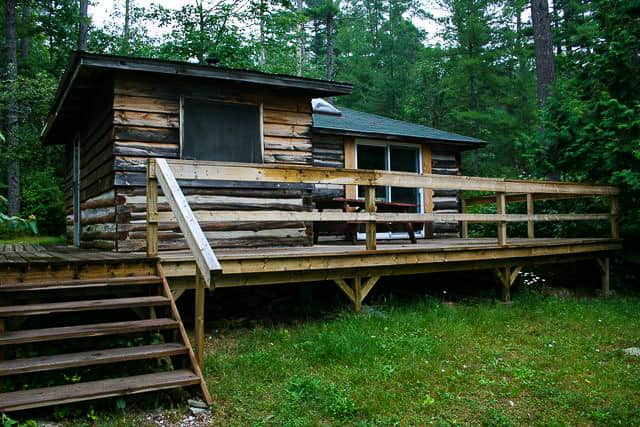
(84, 25)
(543, 43)
(11, 113)
(25, 39)
(127, 23)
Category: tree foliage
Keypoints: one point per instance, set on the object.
(469, 70)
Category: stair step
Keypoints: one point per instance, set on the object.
(85, 283)
(27, 399)
(89, 358)
(80, 331)
(100, 304)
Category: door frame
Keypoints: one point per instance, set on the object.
(75, 188)
(420, 202)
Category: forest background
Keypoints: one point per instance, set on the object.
(554, 88)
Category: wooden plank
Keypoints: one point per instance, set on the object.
(34, 398)
(92, 330)
(89, 358)
(501, 209)
(199, 318)
(369, 284)
(350, 163)
(184, 169)
(342, 284)
(214, 216)
(464, 232)
(152, 210)
(531, 233)
(357, 293)
(196, 239)
(83, 305)
(370, 206)
(613, 212)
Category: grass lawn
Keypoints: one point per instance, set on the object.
(34, 240)
(541, 361)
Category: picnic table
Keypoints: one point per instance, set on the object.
(357, 205)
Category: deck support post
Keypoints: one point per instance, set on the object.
(507, 276)
(531, 233)
(152, 209)
(199, 319)
(370, 206)
(501, 209)
(358, 292)
(605, 275)
(464, 225)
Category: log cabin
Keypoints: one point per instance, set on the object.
(168, 160)
(113, 113)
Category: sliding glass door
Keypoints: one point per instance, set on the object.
(393, 157)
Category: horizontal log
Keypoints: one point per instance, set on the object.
(146, 149)
(285, 130)
(286, 117)
(225, 216)
(184, 169)
(145, 134)
(146, 104)
(146, 119)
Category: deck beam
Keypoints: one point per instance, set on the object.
(605, 275)
(506, 277)
(356, 292)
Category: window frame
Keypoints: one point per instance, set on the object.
(221, 101)
(420, 202)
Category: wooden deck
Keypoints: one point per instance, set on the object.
(259, 266)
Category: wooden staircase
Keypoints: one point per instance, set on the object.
(78, 339)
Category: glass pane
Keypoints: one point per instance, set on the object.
(372, 157)
(404, 159)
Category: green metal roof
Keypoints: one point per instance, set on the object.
(358, 122)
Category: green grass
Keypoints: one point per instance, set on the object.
(542, 361)
(539, 362)
(34, 240)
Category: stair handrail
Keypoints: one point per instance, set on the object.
(159, 172)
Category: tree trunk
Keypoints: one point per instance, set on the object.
(299, 30)
(127, 18)
(11, 114)
(330, 58)
(262, 59)
(545, 67)
(25, 40)
(84, 25)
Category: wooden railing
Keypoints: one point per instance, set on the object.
(505, 191)
(207, 265)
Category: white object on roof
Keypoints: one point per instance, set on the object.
(321, 106)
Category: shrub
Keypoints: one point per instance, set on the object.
(42, 197)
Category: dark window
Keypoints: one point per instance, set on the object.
(220, 131)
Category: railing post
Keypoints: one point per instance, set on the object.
(531, 233)
(199, 318)
(370, 206)
(501, 209)
(152, 208)
(613, 214)
(464, 224)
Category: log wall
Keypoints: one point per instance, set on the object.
(95, 132)
(146, 120)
